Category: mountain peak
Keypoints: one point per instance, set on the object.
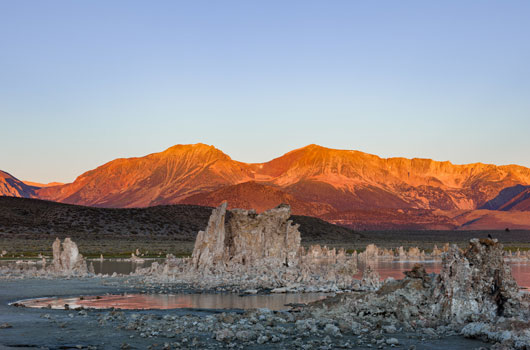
(198, 153)
(314, 148)
(197, 147)
(191, 146)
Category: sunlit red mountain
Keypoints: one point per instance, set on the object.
(348, 187)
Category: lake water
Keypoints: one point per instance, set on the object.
(385, 268)
(105, 267)
(108, 267)
(179, 301)
(395, 269)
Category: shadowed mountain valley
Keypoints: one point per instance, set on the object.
(13, 187)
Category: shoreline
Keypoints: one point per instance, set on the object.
(106, 329)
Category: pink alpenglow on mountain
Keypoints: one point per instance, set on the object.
(347, 187)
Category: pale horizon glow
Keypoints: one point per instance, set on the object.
(83, 83)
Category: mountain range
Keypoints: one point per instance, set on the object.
(351, 188)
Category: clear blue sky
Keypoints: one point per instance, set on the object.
(84, 82)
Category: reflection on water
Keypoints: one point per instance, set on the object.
(165, 301)
(521, 273)
(385, 268)
(395, 269)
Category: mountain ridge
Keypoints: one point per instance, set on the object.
(315, 180)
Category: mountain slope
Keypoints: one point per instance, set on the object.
(428, 219)
(511, 198)
(314, 179)
(252, 195)
(493, 219)
(520, 202)
(364, 180)
(13, 187)
(159, 178)
(23, 217)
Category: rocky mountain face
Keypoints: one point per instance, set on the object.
(350, 180)
(13, 187)
(159, 178)
(317, 181)
(328, 179)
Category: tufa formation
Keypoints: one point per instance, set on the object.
(248, 238)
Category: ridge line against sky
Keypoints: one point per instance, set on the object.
(274, 157)
(82, 83)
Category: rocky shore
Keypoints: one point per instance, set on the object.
(474, 296)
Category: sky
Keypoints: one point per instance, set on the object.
(85, 82)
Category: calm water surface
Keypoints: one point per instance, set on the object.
(385, 268)
(108, 267)
(395, 269)
(105, 267)
(179, 301)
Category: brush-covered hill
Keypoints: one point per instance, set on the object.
(33, 218)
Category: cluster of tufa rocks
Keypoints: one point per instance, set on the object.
(67, 262)
(252, 251)
(474, 294)
(476, 284)
(374, 252)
